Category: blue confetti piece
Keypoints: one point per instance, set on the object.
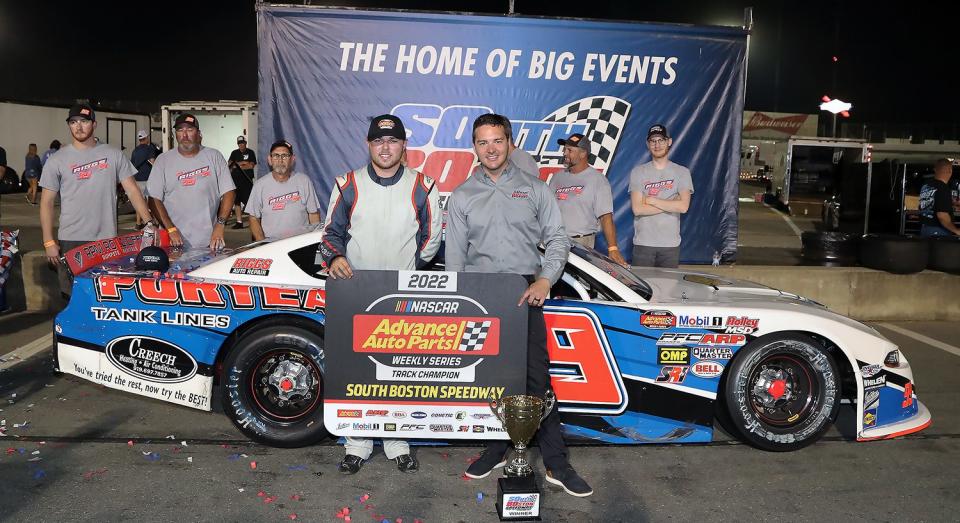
(233, 457)
(22, 450)
(297, 467)
(479, 497)
(39, 474)
(153, 456)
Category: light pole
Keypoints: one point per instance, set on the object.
(835, 106)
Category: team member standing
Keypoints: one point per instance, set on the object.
(85, 174)
(242, 162)
(191, 190)
(142, 158)
(584, 197)
(495, 220)
(936, 207)
(383, 216)
(660, 193)
(284, 200)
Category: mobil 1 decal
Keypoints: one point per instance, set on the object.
(428, 346)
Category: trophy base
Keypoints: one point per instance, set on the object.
(518, 499)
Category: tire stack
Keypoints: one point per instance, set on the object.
(894, 253)
(945, 254)
(834, 249)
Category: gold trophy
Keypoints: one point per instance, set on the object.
(518, 498)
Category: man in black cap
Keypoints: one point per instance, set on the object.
(381, 230)
(191, 190)
(85, 174)
(242, 162)
(584, 197)
(660, 193)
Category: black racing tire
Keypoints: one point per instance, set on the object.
(782, 392)
(829, 248)
(893, 253)
(262, 363)
(945, 254)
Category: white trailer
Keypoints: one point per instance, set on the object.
(220, 123)
(23, 124)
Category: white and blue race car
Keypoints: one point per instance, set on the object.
(651, 356)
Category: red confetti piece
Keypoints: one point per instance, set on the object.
(292, 516)
(11, 450)
(295, 497)
(129, 442)
(224, 446)
(346, 511)
(399, 520)
(261, 494)
(253, 465)
(346, 519)
(464, 477)
(269, 499)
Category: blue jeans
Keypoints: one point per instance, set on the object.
(931, 231)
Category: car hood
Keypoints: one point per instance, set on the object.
(672, 286)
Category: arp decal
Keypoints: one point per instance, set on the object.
(583, 370)
(708, 339)
(151, 359)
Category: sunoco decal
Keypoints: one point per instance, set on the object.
(151, 359)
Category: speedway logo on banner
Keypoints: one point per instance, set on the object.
(325, 72)
(419, 353)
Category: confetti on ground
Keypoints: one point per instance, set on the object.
(35, 459)
(24, 425)
(92, 473)
(233, 457)
(183, 443)
(479, 497)
(39, 474)
(295, 497)
(190, 459)
(151, 456)
(253, 465)
(364, 498)
(129, 442)
(297, 467)
(269, 499)
(240, 490)
(171, 437)
(292, 516)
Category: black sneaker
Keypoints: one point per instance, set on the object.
(485, 465)
(237, 225)
(350, 464)
(567, 478)
(407, 463)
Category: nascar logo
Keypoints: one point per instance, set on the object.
(442, 307)
(440, 139)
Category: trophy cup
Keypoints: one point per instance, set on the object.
(518, 498)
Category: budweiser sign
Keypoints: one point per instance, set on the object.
(788, 125)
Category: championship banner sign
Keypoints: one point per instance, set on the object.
(325, 72)
(419, 354)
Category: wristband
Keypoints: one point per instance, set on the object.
(613, 248)
(171, 229)
(49, 243)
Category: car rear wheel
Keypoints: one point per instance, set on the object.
(782, 392)
(273, 386)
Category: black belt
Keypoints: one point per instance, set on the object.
(582, 235)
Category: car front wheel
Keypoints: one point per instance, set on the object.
(782, 392)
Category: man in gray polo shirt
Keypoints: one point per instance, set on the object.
(660, 193)
(85, 174)
(496, 219)
(191, 190)
(284, 201)
(584, 197)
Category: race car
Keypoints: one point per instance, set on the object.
(645, 356)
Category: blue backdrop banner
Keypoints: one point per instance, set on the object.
(324, 73)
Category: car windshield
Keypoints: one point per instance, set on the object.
(618, 272)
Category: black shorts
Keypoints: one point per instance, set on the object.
(244, 182)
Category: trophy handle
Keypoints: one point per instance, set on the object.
(549, 400)
(497, 407)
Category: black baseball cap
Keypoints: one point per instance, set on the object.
(82, 111)
(576, 140)
(152, 258)
(186, 119)
(658, 129)
(386, 125)
(281, 143)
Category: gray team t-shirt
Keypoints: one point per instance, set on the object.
(190, 189)
(282, 207)
(87, 182)
(525, 162)
(583, 198)
(659, 230)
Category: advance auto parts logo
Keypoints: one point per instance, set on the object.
(151, 359)
(426, 335)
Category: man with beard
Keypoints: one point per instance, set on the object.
(495, 220)
(283, 201)
(85, 174)
(584, 198)
(382, 216)
(659, 194)
(190, 189)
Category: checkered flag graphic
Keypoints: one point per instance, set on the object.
(605, 116)
(474, 334)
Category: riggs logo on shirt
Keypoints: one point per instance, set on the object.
(277, 203)
(82, 172)
(564, 192)
(521, 195)
(654, 188)
(190, 177)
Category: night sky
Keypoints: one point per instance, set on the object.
(894, 63)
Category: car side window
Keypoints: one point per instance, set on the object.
(308, 260)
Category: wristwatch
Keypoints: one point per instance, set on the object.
(221, 221)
